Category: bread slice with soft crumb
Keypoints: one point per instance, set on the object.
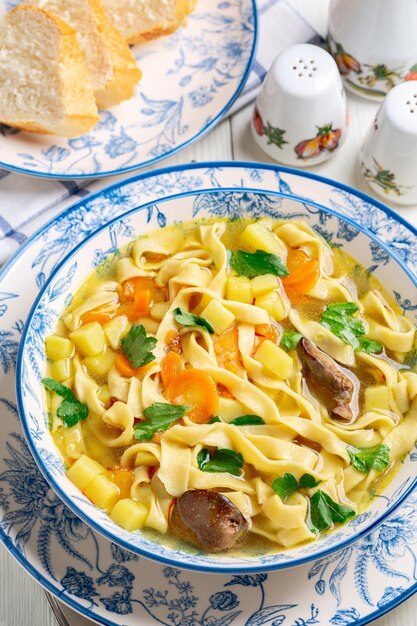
(111, 65)
(44, 81)
(141, 20)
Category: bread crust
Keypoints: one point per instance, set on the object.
(126, 73)
(79, 113)
(182, 10)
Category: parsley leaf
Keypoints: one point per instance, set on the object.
(138, 347)
(253, 264)
(338, 318)
(248, 420)
(325, 512)
(286, 485)
(189, 319)
(307, 481)
(290, 340)
(215, 419)
(159, 416)
(222, 460)
(70, 410)
(365, 459)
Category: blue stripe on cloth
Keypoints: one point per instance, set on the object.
(74, 189)
(10, 232)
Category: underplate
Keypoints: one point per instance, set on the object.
(189, 80)
(112, 586)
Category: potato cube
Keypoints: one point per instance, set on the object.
(89, 339)
(258, 236)
(82, 472)
(159, 309)
(58, 348)
(129, 514)
(274, 359)
(273, 303)
(60, 370)
(102, 492)
(115, 330)
(263, 284)
(218, 316)
(104, 396)
(377, 397)
(100, 365)
(229, 408)
(239, 288)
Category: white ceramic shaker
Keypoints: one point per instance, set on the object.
(374, 43)
(388, 158)
(300, 116)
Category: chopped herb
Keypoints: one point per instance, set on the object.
(189, 319)
(70, 410)
(159, 416)
(248, 420)
(365, 459)
(286, 485)
(253, 264)
(290, 339)
(307, 481)
(215, 419)
(325, 512)
(138, 347)
(338, 318)
(222, 460)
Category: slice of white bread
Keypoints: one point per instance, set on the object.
(44, 81)
(112, 67)
(140, 20)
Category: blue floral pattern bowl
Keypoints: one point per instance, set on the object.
(112, 586)
(58, 291)
(189, 80)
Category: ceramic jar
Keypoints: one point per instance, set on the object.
(374, 43)
(388, 158)
(300, 114)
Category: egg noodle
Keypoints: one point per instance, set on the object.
(240, 355)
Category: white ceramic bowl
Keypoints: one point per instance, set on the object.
(72, 271)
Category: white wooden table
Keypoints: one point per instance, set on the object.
(22, 601)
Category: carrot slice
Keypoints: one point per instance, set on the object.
(226, 348)
(267, 331)
(170, 366)
(134, 285)
(304, 273)
(97, 316)
(197, 390)
(123, 365)
(122, 477)
(139, 307)
(173, 341)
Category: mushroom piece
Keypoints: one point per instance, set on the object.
(208, 520)
(322, 370)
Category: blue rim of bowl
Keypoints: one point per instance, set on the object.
(113, 536)
(199, 135)
(59, 592)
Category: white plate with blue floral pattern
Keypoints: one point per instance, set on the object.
(105, 582)
(189, 80)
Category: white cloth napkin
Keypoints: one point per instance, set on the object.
(26, 203)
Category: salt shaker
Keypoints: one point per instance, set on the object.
(300, 116)
(388, 158)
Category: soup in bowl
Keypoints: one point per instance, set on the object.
(224, 394)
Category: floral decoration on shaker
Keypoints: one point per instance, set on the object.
(346, 62)
(383, 178)
(412, 73)
(274, 134)
(327, 138)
